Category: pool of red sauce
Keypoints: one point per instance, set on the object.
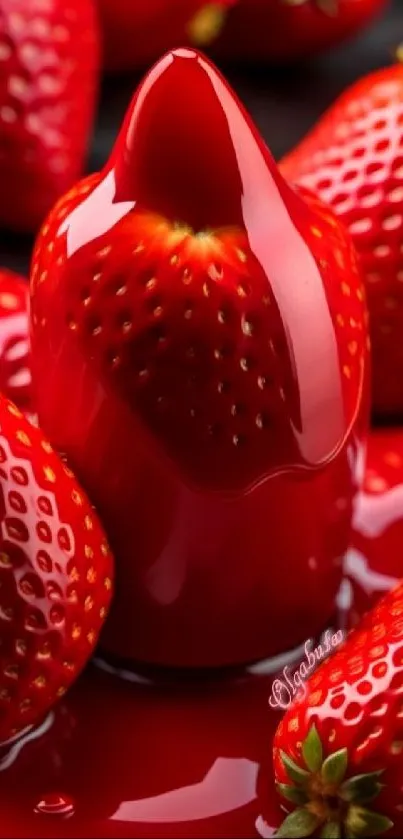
(126, 756)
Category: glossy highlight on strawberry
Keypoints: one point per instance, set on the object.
(374, 562)
(15, 354)
(211, 323)
(55, 575)
(203, 336)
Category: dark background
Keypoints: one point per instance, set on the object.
(285, 102)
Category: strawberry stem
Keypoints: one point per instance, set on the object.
(324, 799)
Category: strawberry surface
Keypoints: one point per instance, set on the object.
(15, 356)
(353, 160)
(338, 750)
(136, 33)
(211, 322)
(285, 30)
(49, 59)
(55, 575)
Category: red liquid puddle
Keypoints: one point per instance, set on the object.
(138, 761)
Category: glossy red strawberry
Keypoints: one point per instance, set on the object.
(374, 563)
(15, 356)
(211, 324)
(353, 159)
(48, 79)
(135, 32)
(285, 30)
(338, 750)
(55, 575)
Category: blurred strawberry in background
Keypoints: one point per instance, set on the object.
(49, 64)
(137, 32)
(285, 30)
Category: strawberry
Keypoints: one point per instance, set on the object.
(15, 360)
(338, 750)
(48, 79)
(374, 563)
(353, 159)
(136, 33)
(286, 30)
(165, 293)
(55, 575)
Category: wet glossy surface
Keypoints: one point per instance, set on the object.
(194, 363)
(134, 314)
(374, 563)
(130, 760)
(15, 356)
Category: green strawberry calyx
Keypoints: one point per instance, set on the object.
(327, 803)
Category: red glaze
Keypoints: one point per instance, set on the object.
(15, 356)
(135, 33)
(55, 575)
(374, 563)
(353, 159)
(283, 30)
(203, 407)
(354, 701)
(132, 760)
(49, 59)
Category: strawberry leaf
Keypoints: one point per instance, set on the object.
(361, 788)
(298, 824)
(331, 830)
(334, 767)
(312, 750)
(361, 822)
(293, 794)
(294, 772)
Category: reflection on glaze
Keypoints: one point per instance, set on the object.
(210, 322)
(228, 785)
(159, 761)
(374, 563)
(15, 353)
(55, 804)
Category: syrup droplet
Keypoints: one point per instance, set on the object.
(55, 804)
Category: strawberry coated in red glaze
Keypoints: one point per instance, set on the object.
(55, 575)
(136, 33)
(374, 562)
(286, 30)
(353, 160)
(15, 356)
(211, 324)
(49, 60)
(338, 750)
